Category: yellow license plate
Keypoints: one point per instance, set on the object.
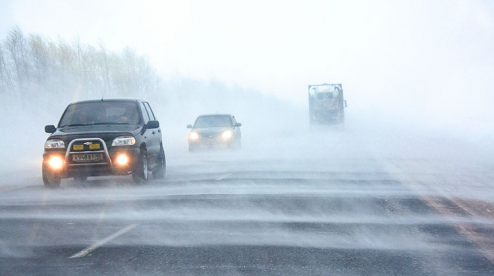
(78, 147)
(94, 146)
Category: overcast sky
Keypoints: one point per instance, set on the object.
(430, 53)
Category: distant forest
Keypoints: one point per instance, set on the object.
(41, 77)
(33, 66)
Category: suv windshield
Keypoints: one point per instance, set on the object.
(213, 121)
(99, 113)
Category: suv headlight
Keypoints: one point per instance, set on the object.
(124, 141)
(54, 144)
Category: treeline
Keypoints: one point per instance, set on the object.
(39, 77)
(33, 67)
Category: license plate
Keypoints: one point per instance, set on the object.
(87, 157)
(209, 142)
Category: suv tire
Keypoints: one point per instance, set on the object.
(50, 180)
(160, 170)
(140, 174)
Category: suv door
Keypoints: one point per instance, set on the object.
(153, 135)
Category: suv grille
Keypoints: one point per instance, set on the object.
(80, 146)
(87, 152)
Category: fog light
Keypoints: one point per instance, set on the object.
(122, 159)
(55, 162)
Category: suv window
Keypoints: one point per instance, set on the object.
(150, 111)
(145, 113)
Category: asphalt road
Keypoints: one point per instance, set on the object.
(298, 208)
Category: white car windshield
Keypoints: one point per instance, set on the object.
(213, 121)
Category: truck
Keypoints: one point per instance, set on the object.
(326, 104)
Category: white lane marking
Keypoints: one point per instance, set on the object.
(93, 247)
(223, 177)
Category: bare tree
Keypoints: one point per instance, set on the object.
(103, 62)
(39, 56)
(16, 47)
(6, 85)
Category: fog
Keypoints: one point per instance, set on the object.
(417, 76)
(417, 64)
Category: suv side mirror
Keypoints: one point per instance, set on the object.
(189, 126)
(50, 129)
(153, 124)
(345, 104)
(238, 124)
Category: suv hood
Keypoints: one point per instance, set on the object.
(106, 129)
(204, 130)
(105, 132)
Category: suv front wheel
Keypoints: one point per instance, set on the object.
(50, 179)
(140, 175)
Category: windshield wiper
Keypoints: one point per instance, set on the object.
(95, 124)
(73, 125)
(110, 123)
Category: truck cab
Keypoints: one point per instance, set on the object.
(326, 104)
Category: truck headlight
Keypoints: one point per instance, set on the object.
(54, 144)
(227, 134)
(124, 141)
(193, 136)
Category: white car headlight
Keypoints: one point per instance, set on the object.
(193, 136)
(227, 134)
(54, 144)
(124, 141)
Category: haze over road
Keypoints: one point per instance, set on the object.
(322, 203)
(406, 188)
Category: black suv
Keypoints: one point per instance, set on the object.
(104, 137)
